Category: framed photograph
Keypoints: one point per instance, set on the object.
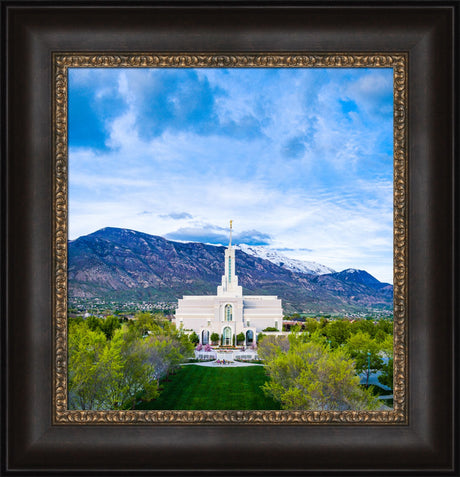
(265, 159)
(229, 227)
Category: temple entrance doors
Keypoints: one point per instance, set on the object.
(227, 336)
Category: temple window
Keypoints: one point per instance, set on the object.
(228, 313)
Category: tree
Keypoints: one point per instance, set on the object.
(260, 337)
(338, 332)
(85, 348)
(365, 352)
(364, 326)
(311, 325)
(272, 346)
(74, 319)
(193, 337)
(385, 325)
(240, 338)
(161, 355)
(110, 369)
(96, 370)
(144, 323)
(109, 325)
(215, 338)
(386, 378)
(93, 322)
(138, 372)
(311, 376)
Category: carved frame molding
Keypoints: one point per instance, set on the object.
(61, 63)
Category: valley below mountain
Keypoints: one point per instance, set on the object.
(125, 265)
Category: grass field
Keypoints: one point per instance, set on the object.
(202, 388)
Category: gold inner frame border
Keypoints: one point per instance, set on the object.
(61, 62)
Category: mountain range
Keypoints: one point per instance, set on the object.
(125, 265)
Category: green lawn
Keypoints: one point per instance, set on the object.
(202, 388)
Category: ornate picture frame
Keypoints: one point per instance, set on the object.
(398, 63)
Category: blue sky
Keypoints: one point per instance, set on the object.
(300, 158)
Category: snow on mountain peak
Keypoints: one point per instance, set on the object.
(299, 266)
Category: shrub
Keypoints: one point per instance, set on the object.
(193, 337)
(260, 337)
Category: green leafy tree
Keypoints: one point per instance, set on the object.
(215, 338)
(311, 376)
(380, 336)
(162, 355)
(260, 337)
(144, 323)
(96, 369)
(364, 326)
(111, 369)
(93, 322)
(138, 371)
(365, 352)
(240, 338)
(386, 378)
(272, 346)
(337, 332)
(323, 322)
(386, 326)
(193, 337)
(311, 325)
(74, 319)
(85, 347)
(109, 325)
(111, 365)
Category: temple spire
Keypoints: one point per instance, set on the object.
(230, 243)
(230, 285)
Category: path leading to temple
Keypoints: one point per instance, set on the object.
(223, 364)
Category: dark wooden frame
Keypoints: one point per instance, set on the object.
(33, 30)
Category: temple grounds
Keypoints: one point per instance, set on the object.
(196, 387)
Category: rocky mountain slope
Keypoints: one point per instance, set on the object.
(122, 264)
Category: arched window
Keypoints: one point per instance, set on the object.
(227, 336)
(228, 313)
(249, 337)
(205, 337)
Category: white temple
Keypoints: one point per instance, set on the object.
(229, 313)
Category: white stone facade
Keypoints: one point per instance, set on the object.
(229, 312)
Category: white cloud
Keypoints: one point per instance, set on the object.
(334, 197)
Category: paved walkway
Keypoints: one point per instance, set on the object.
(229, 364)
